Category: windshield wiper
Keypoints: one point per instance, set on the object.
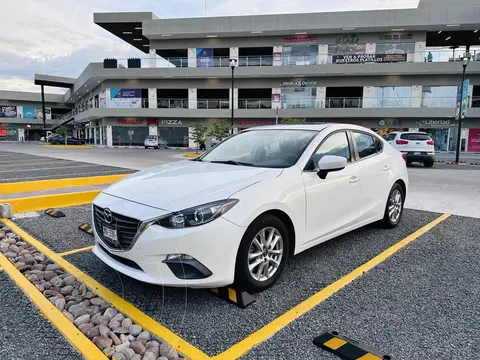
(196, 159)
(232, 162)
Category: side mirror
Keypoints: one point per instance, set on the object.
(330, 163)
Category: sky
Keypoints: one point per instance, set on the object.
(58, 37)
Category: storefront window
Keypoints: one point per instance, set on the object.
(299, 97)
(129, 135)
(300, 55)
(104, 135)
(392, 97)
(175, 136)
(97, 135)
(439, 96)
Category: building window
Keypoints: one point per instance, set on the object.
(175, 136)
(129, 135)
(299, 97)
(439, 96)
(300, 55)
(392, 97)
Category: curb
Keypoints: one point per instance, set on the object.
(191, 155)
(459, 163)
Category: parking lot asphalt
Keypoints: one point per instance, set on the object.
(16, 167)
(422, 303)
(24, 333)
(206, 321)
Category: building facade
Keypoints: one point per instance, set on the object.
(385, 70)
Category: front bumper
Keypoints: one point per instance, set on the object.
(214, 247)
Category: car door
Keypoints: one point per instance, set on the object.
(375, 171)
(331, 204)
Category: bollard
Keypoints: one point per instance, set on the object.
(6, 211)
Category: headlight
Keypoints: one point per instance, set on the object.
(197, 215)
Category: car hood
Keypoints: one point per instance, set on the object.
(184, 184)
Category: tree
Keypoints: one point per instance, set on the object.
(288, 120)
(198, 134)
(61, 131)
(221, 129)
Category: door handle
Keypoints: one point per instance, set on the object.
(386, 168)
(354, 179)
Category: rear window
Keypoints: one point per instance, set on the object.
(413, 136)
(152, 137)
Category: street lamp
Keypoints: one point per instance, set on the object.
(465, 61)
(233, 64)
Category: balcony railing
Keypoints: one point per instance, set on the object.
(254, 103)
(213, 104)
(335, 102)
(433, 55)
(172, 103)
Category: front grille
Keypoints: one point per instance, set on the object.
(126, 228)
(121, 260)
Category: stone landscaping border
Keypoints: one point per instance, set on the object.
(115, 334)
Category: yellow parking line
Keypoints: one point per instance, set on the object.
(60, 321)
(120, 304)
(1, 269)
(88, 248)
(270, 329)
(29, 186)
(35, 203)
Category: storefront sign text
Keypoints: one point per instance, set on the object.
(369, 58)
(299, 83)
(171, 122)
(130, 121)
(152, 122)
(435, 124)
(474, 140)
(390, 123)
(395, 36)
(253, 122)
(348, 39)
(303, 38)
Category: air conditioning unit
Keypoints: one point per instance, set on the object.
(109, 63)
(134, 63)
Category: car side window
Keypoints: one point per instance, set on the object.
(335, 144)
(366, 145)
(391, 137)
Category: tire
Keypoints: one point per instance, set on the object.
(428, 164)
(409, 163)
(146, 147)
(389, 221)
(243, 277)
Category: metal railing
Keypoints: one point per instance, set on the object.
(433, 55)
(254, 103)
(335, 102)
(213, 104)
(172, 103)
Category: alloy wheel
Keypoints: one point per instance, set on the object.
(395, 206)
(265, 254)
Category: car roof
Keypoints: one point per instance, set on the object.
(312, 127)
(408, 132)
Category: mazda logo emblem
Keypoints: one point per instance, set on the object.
(107, 216)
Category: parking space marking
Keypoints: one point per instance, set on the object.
(87, 348)
(276, 325)
(123, 306)
(55, 168)
(88, 248)
(61, 176)
(42, 202)
(29, 186)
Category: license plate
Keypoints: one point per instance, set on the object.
(417, 153)
(110, 233)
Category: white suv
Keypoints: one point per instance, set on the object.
(415, 146)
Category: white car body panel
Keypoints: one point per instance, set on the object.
(318, 209)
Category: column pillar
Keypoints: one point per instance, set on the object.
(234, 53)
(152, 98)
(152, 58)
(192, 98)
(109, 136)
(192, 57)
(235, 99)
(277, 55)
(368, 96)
(371, 48)
(322, 57)
(321, 97)
(419, 55)
(416, 96)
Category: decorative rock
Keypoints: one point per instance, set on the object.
(92, 332)
(102, 342)
(23, 252)
(77, 307)
(162, 358)
(114, 324)
(84, 328)
(66, 290)
(82, 319)
(68, 315)
(168, 351)
(119, 317)
(109, 351)
(128, 353)
(33, 278)
(70, 298)
(52, 267)
(79, 299)
(135, 330)
(40, 287)
(99, 319)
(74, 292)
(120, 330)
(131, 338)
(144, 336)
(138, 347)
(92, 310)
(95, 301)
(15, 249)
(53, 299)
(119, 356)
(124, 338)
(46, 285)
(49, 275)
(40, 267)
(151, 344)
(10, 254)
(60, 304)
(110, 312)
(127, 323)
(149, 355)
(39, 258)
(77, 313)
(69, 280)
(121, 347)
(57, 281)
(115, 338)
(50, 292)
(89, 295)
(87, 302)
(103, 330)
(69, 303)
(136, 357)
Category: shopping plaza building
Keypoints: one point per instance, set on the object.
(382, 69)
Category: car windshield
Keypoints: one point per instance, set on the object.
(262, 148)
(151, 137)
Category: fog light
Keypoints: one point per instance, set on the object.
(179, 257)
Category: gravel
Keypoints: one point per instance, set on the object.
(89, 318)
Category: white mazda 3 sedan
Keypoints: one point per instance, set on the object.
(236, 213)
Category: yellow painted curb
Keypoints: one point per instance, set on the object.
(139, 317)
(279, 323)
(71, 146)
(88, 248)
(191, 155)
(43, 202)
(56, 318)
(28, 186)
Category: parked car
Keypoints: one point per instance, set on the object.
(416, 146)
(58, 139)
(154, 141)
(237, 212)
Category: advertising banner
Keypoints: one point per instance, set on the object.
(369, 58)
(474, 140)
(102, 100)
(8, 111)
(204, 57)
(34, 112)
(125, 98)
(462, 100)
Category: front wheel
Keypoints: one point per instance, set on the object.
(394, 208)
(262, 255)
